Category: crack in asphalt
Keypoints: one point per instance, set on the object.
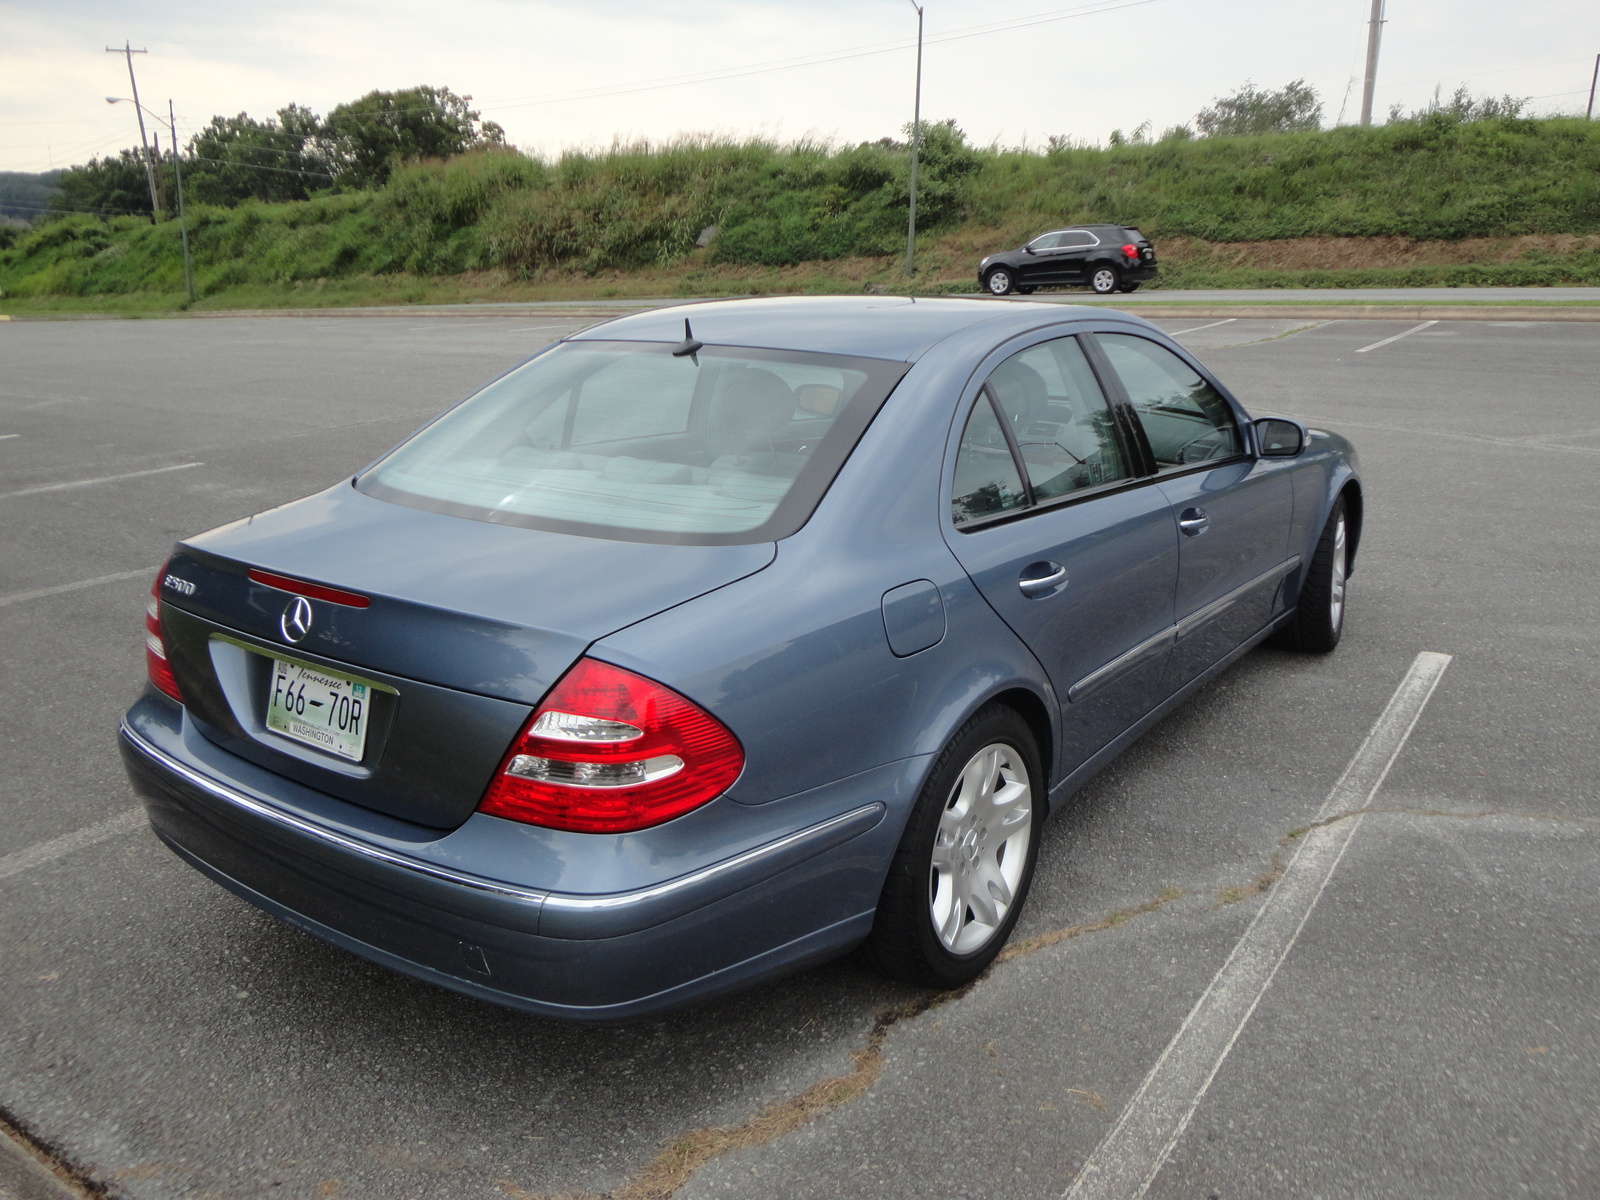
(674, 1165)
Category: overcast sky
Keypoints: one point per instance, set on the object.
(560, 73)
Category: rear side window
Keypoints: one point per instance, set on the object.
(1044, 409)
(1185, 419)
(1059, 418)
(625, 440)
(1078, 238)
(987, 479)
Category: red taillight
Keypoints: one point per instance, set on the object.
(610, 751)
(155, 646)
(1131, 250)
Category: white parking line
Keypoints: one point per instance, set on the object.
(78, 483)
(6, 437)
(37, 856)
(1198, 328)
(41, 593)
(1396, 337)
(1125, 1164)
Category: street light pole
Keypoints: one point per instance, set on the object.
(183, 225)
(916, 144)
(1374, 36)
(177, 170)
(128, 52)
(1594, 79)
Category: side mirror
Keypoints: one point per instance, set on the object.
(1028, 249)
(1279, 438)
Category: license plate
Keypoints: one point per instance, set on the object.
(320, 708)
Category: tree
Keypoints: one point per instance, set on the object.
(239, 158)
(107, 187)
(1250, 110)
(1462, 106)
(362, 140)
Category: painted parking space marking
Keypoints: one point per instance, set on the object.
(1397, 337)
(59, 847)
(1127, 1161)
(6, 437)
(41, 593)
(1198, 328)
(79, 483)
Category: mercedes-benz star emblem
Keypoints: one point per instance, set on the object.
(296, 620)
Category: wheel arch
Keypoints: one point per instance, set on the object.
(1355, 513)
(1031, 708)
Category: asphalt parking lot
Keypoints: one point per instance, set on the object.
(1229, 982)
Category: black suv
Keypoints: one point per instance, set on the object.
(1109, 258)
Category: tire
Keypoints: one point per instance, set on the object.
(1318, 620)
(933, 927)
(1000, 282)
(1130, 287)
(1104, 279)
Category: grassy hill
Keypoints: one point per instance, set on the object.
(1433, 201)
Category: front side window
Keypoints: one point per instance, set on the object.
(626, 440)
(1050, 403)
(1184, 418)
(1047, 241)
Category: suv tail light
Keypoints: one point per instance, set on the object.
(155, 646)
(609, 752)
(1131, 250)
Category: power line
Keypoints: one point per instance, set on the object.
(962, 34)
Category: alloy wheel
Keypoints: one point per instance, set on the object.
(981, 850)
(1336, 584)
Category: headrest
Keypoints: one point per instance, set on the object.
(1020, 389)
(755, 402)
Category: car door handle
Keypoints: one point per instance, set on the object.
(1193, 521)
(1042, 579)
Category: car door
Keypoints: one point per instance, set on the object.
(1053, 524)
(1233, 509)
(1042, 261)
(1076, 246)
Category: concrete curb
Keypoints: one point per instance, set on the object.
(1364, 312)
(1258, 310)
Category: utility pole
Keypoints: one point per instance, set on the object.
(1374, 36)
(128, 52)
(1594, 79)
(916, 144)
(183, 225)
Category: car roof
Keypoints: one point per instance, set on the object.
(892, 327)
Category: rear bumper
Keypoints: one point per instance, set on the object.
(794, 899)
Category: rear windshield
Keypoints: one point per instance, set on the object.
(626, 440)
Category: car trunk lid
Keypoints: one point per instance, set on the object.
(465, 625)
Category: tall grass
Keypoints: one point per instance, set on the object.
(645, 206)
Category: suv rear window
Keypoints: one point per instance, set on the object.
(625, 440)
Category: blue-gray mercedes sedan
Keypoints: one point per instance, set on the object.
(718, 640)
